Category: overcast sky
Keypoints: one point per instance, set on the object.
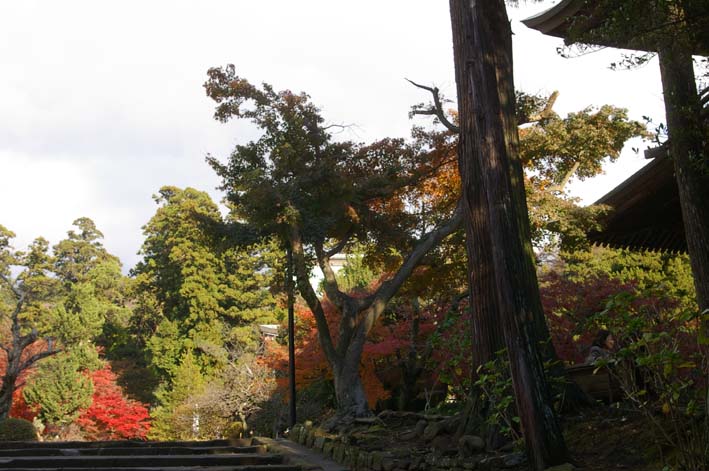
(101, 102)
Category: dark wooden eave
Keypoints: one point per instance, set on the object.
(645, 210)
(585, 15)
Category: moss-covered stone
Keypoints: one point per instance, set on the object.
(339, 452)
(327, 449)
(562, 467)
(311, 439)
(17, 430)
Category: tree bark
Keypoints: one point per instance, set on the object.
(688, 137)
(486, 329)
(358, 314)
(9, 380)
(481, 43)
(349, 391)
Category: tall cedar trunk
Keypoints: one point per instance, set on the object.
(688, 148)
(481, 34)
(573, 395)
(486, 329)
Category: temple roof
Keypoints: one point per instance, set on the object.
(646, 212)
(557, 20)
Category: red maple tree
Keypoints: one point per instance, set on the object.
(111, 415)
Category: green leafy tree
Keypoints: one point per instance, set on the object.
(553, 150)
(318, 196)
(59, 390)
(170, 419)
(59, 301)
(94, 291)
(197, 293)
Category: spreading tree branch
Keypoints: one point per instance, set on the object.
(337, 248)
(564, 181)
(437, 109)
(376, 303)
(547, 112)
(38, 356)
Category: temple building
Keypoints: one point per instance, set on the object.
(646, 208)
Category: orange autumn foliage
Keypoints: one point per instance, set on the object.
(310, 362)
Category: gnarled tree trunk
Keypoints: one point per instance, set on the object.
(349, 391)
(358, 314)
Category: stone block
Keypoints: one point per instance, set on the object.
(388, 464)
(376, 460)
(562, 467)
(310, 442)
(328, 448)
(420, 427)
(514, 459)
(362, 460)
(303, 437)
(469, 445)
(338, 452)
(432, 430)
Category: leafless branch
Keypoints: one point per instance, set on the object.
(564, 181)
(437, 110)
(547, 112)
(341, 127)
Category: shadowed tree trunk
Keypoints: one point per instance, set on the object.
(483, 60)
(688, 137)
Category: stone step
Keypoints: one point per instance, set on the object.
(121, 444)
(139, 461)
(131, 451)
(254, 467)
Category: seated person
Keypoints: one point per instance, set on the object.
(602, 347)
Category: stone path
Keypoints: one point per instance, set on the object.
(298, 453)
(217, 455)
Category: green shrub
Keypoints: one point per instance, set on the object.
(17, 430)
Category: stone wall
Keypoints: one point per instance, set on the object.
(427, 445)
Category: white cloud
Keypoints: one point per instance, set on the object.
(102, 102)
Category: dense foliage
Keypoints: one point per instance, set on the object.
(67, 303)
